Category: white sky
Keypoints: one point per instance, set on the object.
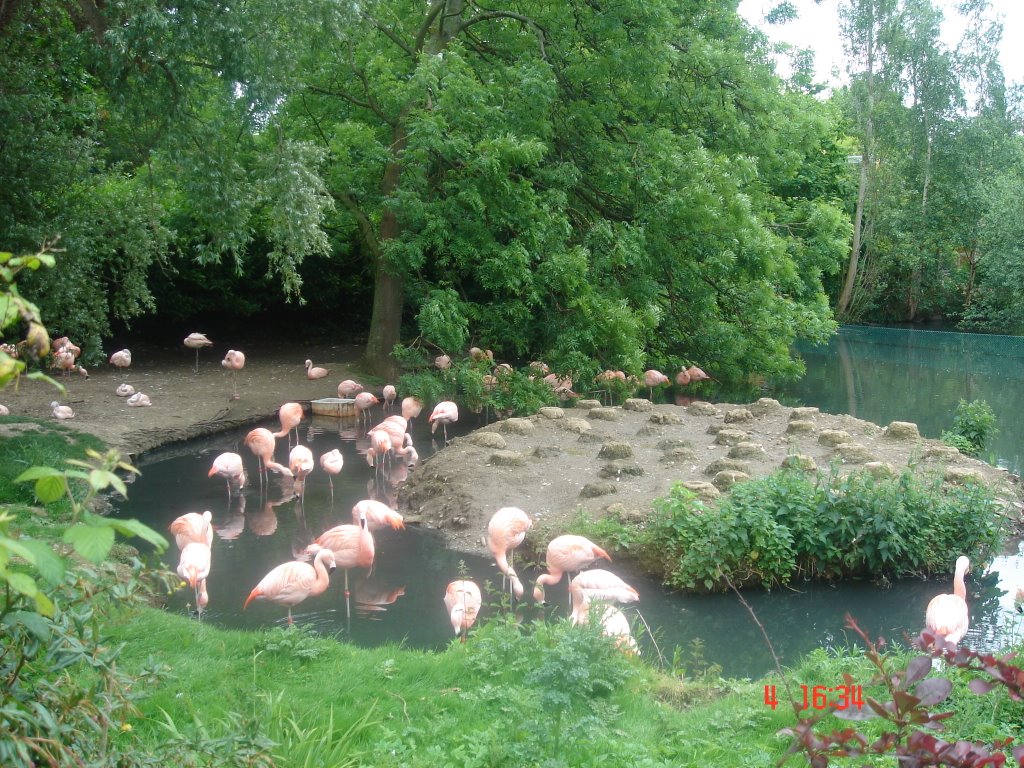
(818, 28)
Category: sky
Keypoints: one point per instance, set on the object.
(817, 27)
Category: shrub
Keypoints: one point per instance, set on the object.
(973, 426)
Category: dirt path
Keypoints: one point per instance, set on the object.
(552, 464)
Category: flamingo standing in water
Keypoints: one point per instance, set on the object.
(300, 462)
(389, 393)
(352, 546)
(446, 412)
(411, 407)
(234, 361)
(348, 388)
(315, 372)
(378, 515)
(123, 360)
(947, 617)
(331, 463)
(229, 466)
(261, 442)
(566, 554)
(364, 401)
(597, 584)
(194, 567)
(290, 415)
(652, 379)
(462, 599)
(197, 341)
(192, 526)
(506, 531)
(291, 583)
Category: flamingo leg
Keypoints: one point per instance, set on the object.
(196, 369)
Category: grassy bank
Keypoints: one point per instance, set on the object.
(131, 685)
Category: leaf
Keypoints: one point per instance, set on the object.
(21, 582)
(854, 713)
(43, 604)
(918, 668)
(135, 528)
(50, 489)
(980, 687)
(90, 541)
(34, 473)
(99, 479)
(933, 691)
(47, 562)
(32, 622)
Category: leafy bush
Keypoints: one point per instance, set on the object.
(973, 426)
(773, 528)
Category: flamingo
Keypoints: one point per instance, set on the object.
(506, 531)
(567, 553)
(389, 393)
(348, 388)
(234, 361)
(442, 362)
(446, 412)
(380, 447)
(352, 546)
(4, 410)
(291, 583)
(122, 359)
(124, 390)
(62, 411)
(613, 624)
(315, 372)
(290, 415)
(696, 374)
(229, 466)
(192, 526)
(300, 462)
(598, 584)
(331, 463)
(462, 600)
(139, 400)
(652, 379)
(261, 442)
(682, 378)
(378, 515)
(364, 401)
(194, 566)
(197, 341)
(947, 616)
(371, 596)
(411, 407)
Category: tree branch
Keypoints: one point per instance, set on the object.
(390, 34)
(421, 35)
(491, 15)
(365, 225)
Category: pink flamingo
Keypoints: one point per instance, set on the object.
(506, 531)
(290, 416)
(411, 407)
(598, 584)
(192, 526)
(122, 359)
(300, 462)
(315, 372)
(462, 600)
(352, 546)
(696, 374)
(442, 362)
(197, 341)
(446, 412)
(947, 616)
(389, 394)
(291, 583)
(378, 515)
(234, 361)
(348, 388)
(331, 463)
(261, 442)
(380, 447)
(652, 379)
(229, 466)
(194, 567)
(62, 412)
(364, 401)
(682, 378)
(565, 554)
(139, 400)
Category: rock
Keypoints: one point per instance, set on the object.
(700, 408)
(801, 427)
(518, 427)
(638, 404)
(615, 451)
(799, 461)
(747, 451)
(507, 459)
(587, 404)
(730, 436)
(726, 465)
(573, 424)
(880, 469)
(855, 453)
(680, 454)
(665, 417)
(963, 475)
(650, 430)
(605, 414)
(673, 442)
(902, 430)
(551, 412)
(738, 416)
(704, 491)
(942, 453)
(600, 488)
(714, 429)
(801, 414)
(728, 478)
(616, 469)
(592, 436)
(488, 440)
(764, 406)
(547, 451)
(834, 437)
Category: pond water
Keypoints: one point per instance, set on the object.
(402, 600)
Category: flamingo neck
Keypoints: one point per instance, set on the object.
(959, 588)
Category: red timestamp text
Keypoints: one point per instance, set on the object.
(822, 697)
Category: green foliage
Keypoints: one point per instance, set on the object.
(294, 642)
(973, 426)
(768, 530)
